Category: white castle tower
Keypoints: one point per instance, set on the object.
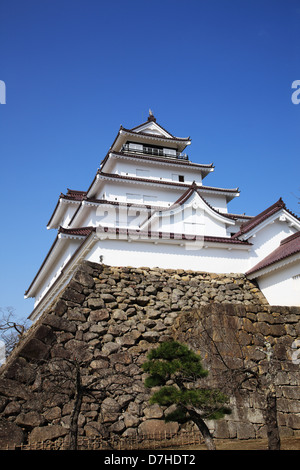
(149, 205)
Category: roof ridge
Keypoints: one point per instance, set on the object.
(151, 118)
(246, 226)
(188, 193)
(76, 191)
(284, 250)
(155, 135)
(290, 238)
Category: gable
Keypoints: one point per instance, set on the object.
(192, 216)
(287, 248)
(152, 128)
(275, 213)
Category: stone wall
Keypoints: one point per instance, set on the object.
(234, 340)
(101, 327)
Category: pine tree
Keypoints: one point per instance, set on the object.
(175, 363)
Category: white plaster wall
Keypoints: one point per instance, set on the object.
(217, 201)
(117, 192)
(280, 288)
(186, 220)
(156, 196)
(113, 216)
(69, 211)
(190, 221)
(62, 257)
(267, 240)
(157, 171)
(137, 254)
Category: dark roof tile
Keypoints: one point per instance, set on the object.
(288, 247)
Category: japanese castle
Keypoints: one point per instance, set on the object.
(149, 205)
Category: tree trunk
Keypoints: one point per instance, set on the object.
(271, 422)
(208, 439)
(76, 410)
(271, 402)
(74, 422)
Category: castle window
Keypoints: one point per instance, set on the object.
(169, 152)
(176, 177)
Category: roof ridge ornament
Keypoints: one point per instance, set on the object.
(151, 116)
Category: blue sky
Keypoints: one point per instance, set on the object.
(219, 71)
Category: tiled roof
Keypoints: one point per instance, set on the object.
(80, 231)
(187, 194)
(73, 194)
(288, 247)
(146, 134)
(155, 159)
(169, 183)
(85, 231)
(247, 226)
(151, 118)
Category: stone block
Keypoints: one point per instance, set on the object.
(52, 413)
(79, 350)
(99, 364)
(108, 298)
(110, 347)
(59, 323)
(130, 420)
(110, 405)
(73, 295)
(30, 420)
(60, 307)
(157, 427)
(117, 427)
(44, 433)
(35, 349)
(44, 333)
(93, 429)
(101, 314)
(151, 336)
(245, 431)
(82, 277)
(142, 300)
(221, 429)
(95, 303)
(10, 434)
(153, 411)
